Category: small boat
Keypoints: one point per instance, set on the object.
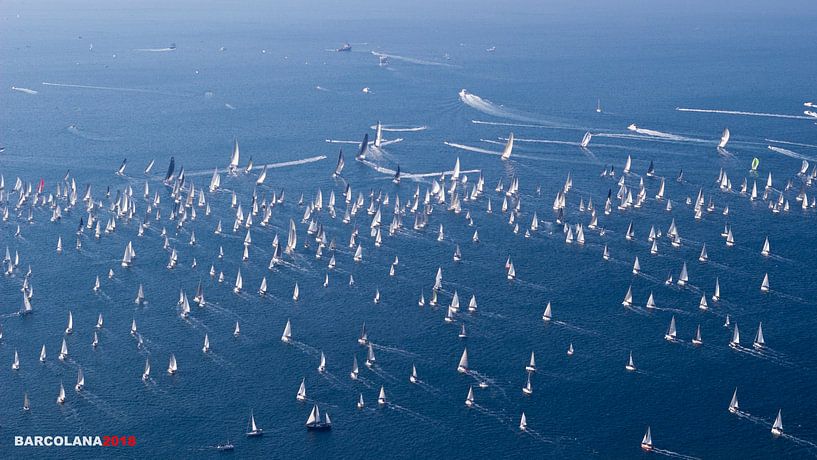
(26, 403)
(206, 347)
(531, 367)
(316, 423)
(253, 430)
(381, 399)
(42, 354)
(547, 316)
(15, 365)
(370, 359)
(322, 365)
(630, 364)
(63, 351)
(462, 367)
(735, 341)
(469, 400)
(462, 334)
(146, 373)
(777, 427)
(413, 377)
(225, 447)
(355, 370)
(61, 395)
(764, 286)
(344, 48)
(697, 339)
(528, 389)
(80, 381)
(286, 337)
(301, 395)
(360, 403)
(172, 368)
(759, 341)
(733, 404)
(570, 350)
(237, 330)
(646, 441)
(523, 422)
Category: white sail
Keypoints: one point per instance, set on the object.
(724, 138)
(462, 367)
(287, 335)
(301, 395)
(671, 332)
(777, 427)
(523, 422)
(506, 152)
(759, 341)
(80, 380)
(172, 367)
(381, 398)
(234, 158)
(646, 441)
(469, 400)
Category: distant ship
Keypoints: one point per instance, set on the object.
(384, 60)
(344, 47)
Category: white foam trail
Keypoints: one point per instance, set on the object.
(336, 141)
(111, 88)
(669, 453)
(790, 143)
(411, 60)
(751, 114)
(490, 108)
(539, 141)
(321, 88)
(668, 136)
(790, 153)
(396, 128)
(24, 90)
(229, 106)
(472, 149)
(494, 123)
(86, 135)
(155, 50)
(268, 165)
(404, 175)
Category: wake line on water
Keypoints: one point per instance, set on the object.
(395, 128)
(155, 50)
(24, 90)
(669, 453)
(491, 108)
(392, 172)
(790, 143)
(765, 423)
(496, 123)
(751, 114)
(113, 88)
(790, 153)
(268, 165)
(411, 60)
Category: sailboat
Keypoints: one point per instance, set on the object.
(511, 272)
(462, 367)
(96, 340)
(206, 347)
(80, 381)
(316, 423)
(528, 389)
(765, 250)
(340, 165)
(296, 293)
(646, 441)
(370, 358)
(322, 365)
(172, 367)
(717, 295)
(759, 341)
(234, 159)
(381, 399)
(777, 427)
(63, 351)
(70, 328)
(61, 396)
(650, 301)
(42, 354)
(286, 337)
(523, 422)
(26, 403)
(570, 350)
(733, 404)
(764, 286)
(697, 339)
(360, 403)
(724, 138)
(531, 367)
(15, 365)
(735, 341)
(628, 297)
(237, 330)
(355, 370)
(146, 372)
(506, 152)
(301, 395)
(413, 377)
(586, 140)
(462, 334)
(630, 364)
(469, 400)
(253, 429)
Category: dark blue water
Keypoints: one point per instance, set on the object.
(550, 66)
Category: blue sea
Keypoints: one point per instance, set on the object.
(96, 83)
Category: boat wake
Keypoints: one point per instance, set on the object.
(392, 172)
(573, 328)
(496, 123)
(411, 413)
(154, 50)
(671, 454)
(790, 153)
(378, 371)
(791, 143)
(100, 404)
(282, 164)
(398, 128)
(768, 355)
(24, 90)
(667, 136)
(411, 60)
(490, 108)
(113, 88)
(472, 149)
(73, 129)
(395, 350)
(737, 112)
(306, 349)
(767, 424)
